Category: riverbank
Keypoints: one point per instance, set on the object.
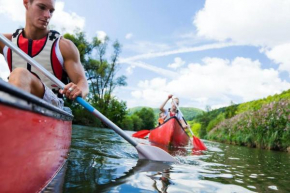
(266, 128)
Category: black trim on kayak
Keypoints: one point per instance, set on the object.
(12, 96)
(174, 117)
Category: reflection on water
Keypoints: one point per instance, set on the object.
(101, 161)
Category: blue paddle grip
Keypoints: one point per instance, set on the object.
(86, 105)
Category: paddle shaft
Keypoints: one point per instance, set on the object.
(182, 116)
(85, 104)
(197, 143)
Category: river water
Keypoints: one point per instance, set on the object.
(101, 161)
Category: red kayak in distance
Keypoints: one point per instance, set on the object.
(170, 133)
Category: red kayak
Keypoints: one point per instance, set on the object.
(34, 142)
(170, 133)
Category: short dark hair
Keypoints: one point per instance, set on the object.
(31, 1)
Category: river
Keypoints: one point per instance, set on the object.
(101, 161)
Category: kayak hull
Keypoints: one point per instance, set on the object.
(170, 133)
(34, 142)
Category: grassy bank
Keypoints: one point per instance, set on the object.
(267, 128)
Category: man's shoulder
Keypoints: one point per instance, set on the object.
(66, 45)
(67, 48)
(66, 42)
(2, 45)
(8, 36)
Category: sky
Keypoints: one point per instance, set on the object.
(205, 52)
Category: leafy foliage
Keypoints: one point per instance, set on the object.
(141, 119)
(262, 123)
(101, 75)
(268, 127)
(195, 128)
(147, 117)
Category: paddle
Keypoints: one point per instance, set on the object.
(141, 134)
(198, 144)
(144, 151)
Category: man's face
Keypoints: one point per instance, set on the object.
(39, 13)
(173, 105)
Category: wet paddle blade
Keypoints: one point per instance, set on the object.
(153, 153)
(141, 134)
(198, 144)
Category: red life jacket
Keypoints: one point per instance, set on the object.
(45, 51)
(171, 114)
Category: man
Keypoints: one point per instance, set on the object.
(57, 54)
(173, 111)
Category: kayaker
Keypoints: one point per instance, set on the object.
(55, 53)
(161, 119)
(173, 111)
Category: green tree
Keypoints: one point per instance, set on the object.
(137, 122)
(101, 75)
(127, 123)
(231, 110)
(147, 117)
(116, 110)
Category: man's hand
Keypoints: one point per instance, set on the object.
(71, 91)
(170, 96)
(186, 127)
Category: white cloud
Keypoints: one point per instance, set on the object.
(130, 69)
(280, 55)
(136, 94)
(215, 82)
(146, 47)
(259, 22)
(262, 23)
(13, 9)
(178, 62)
(149, 93)
(61, 20)
(155, 83)
(158, 70)
(129, 36)
(4, 70)
(178, 51)
(101, 35)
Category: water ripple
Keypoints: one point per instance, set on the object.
(101, 161)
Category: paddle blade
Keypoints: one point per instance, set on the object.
(153, 153)
(198, 144)
(141, 134)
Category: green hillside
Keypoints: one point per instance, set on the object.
(188, 112)
(263, 123)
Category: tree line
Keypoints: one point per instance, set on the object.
(101, 72)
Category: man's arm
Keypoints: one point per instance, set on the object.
(182, 121)
(164, 103)
(2, 45)
(74, 69)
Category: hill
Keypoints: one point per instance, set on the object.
(263, 123)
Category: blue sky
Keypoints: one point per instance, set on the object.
(204, 52)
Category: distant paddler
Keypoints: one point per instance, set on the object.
(173, 111)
